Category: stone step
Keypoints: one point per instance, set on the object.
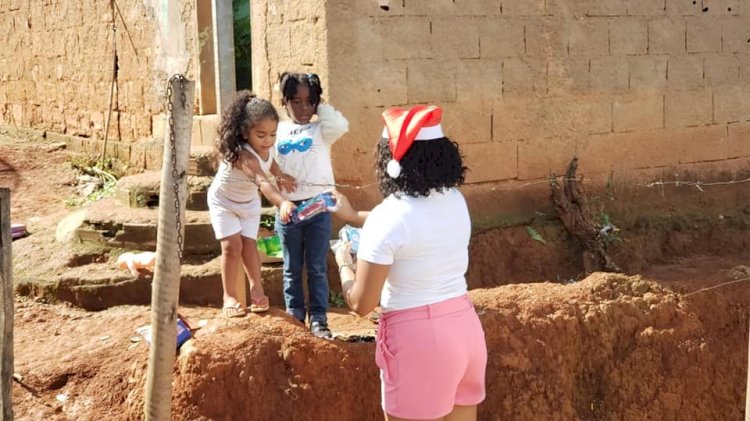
(202, 162)
(97, 286)
(142, 191)
(108, 224)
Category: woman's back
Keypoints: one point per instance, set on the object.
(425, 240)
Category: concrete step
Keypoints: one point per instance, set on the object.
(142, 191)
(111, 225)
(97, 286)
(202, 162)
(108, 224)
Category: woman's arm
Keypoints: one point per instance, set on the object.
(362, 287)
(346, 212)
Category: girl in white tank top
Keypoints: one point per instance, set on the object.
(247, 134)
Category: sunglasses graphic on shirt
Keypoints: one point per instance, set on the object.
(287, 146)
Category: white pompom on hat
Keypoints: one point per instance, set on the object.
(403, 127)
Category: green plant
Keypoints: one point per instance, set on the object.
(609, 231)
(534, 234)
(337, 299)
(92, 167)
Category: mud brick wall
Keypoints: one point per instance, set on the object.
(56, 70)
(526, 84)
(289, 36)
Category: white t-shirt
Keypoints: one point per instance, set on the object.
(426, 242)
(231, 183)
(303, 151)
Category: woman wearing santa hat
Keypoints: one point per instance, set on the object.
(412, 257)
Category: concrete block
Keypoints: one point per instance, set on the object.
(546, 38)
(158, 125)
(638, 112)
(744, 60)
(589, 37)
(516, 118)
(523, 7)
(609, 73)
(396, 32)
(478, 80)
(628, 36)
(739, 139)
(195, 132)
(279, 42)
(501, 38)
(449, 43)
(646, 7)
(561, 117)
(426, 8)
(734, 34)
(490, 161)
(308, 38)
(431, 80)
(385, 85)
(625, 151)
(648, 72)
(731, 104)
(719, 70)
(688, 108)
(540, 157)
(666, 36)
(703, 35)
(677, 8)
(606, 8)
(209, 128)
(466, 123)
(568, 74)
(477, 8)
(685, 71)
(524, 75)
(703, 144)
(654, 148)
(356, 37)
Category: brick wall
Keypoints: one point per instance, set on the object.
(56, 69)
(288, 36)
(526, 84)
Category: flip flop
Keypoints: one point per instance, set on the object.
(259, 305)
(234, 310)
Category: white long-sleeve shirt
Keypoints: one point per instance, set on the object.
(304, 151)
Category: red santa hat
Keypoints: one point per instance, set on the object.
(403, 127)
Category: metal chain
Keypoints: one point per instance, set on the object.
(173, 143)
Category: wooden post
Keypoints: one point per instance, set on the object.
(747, 391)
(6, 316)
(166, 285)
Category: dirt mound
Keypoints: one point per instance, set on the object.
(608, 346)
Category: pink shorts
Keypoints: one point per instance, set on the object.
(431, 358)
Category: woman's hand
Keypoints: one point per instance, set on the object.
(344, 254)
(286, 182)
(344, 209)
(285, 210)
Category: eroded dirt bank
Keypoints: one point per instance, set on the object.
(607, 347)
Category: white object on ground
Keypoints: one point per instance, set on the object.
(137, 261)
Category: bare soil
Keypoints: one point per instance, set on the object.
(670, 343)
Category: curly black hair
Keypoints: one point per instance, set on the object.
(245, 111)
(428, 165)
(288, 83)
